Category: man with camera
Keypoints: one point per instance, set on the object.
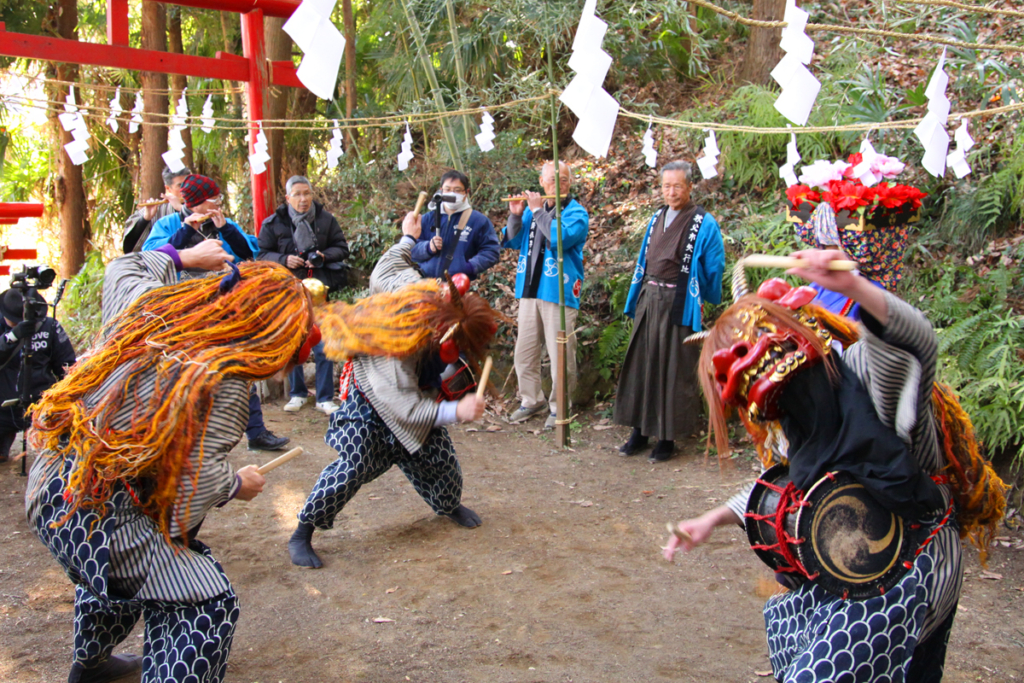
(140, 223)
(305, 238)
(203, 219)
(27, 334)
(455, 238)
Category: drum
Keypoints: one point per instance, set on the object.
(836, 534)
(856, 547)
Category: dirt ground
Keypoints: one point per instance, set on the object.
(563, 582)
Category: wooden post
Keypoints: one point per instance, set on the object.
(562, 407)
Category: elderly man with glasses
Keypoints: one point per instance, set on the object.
(304, 237)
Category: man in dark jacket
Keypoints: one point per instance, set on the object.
(51, 352)
(461, 240)
(305, 238)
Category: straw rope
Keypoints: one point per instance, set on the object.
(833, 28)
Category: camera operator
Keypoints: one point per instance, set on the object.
(51, 351)
(305, 238)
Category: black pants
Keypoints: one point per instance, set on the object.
(929, 660)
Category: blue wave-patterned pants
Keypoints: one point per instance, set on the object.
(185, 642)
(817, 637)
(366, 450)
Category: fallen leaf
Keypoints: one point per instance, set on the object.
(647, 493)
(374, 497)
(992, 576)
(494, 428)
(583, 503)
(601, 428)
(506, 573)
(391, 590)
(762, 674)
(383, 620)
(472, 429)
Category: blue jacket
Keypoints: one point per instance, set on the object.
(476, 251)
(575, 227)
(706, 270)
(169, 230)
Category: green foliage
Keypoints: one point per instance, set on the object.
(979, 208)
(980, 340)
(614, 339)
(80, 310)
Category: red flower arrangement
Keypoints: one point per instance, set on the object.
(851, 194)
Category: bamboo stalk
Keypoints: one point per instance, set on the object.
(561, 409)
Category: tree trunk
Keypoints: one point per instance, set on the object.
(295, 159)
(236, 97)
(763, 51)
(69, 191)
(278, 45)
(178, 81)
(350, 66)
(154, 97)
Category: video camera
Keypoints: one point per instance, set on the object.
(29, 280)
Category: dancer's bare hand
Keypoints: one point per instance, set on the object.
(470, 408)
(207, 255)
(252, 483)
(699, 529)
(411, 225)
(816, 270)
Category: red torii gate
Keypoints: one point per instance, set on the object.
(10, 212)
(253, 68)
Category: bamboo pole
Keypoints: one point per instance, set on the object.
(561, 409)
(421, 48)
(457, 49)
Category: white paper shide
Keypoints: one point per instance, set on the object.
(485, 138)
(707, 163)
(650, 154)
(175, 144)
(585, 96)
(932, 129)
(957, 159)
(335, 151)
(311, 28)
(73, 122)
(259, 157)
(115, 110)
(799, 87)
(405, 156)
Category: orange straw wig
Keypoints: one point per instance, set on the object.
(192, 337)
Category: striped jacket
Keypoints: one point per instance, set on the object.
(896, 362)
(141, 562)
(391, 385)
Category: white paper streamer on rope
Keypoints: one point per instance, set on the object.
(136, 119)
(406, 155)
(175, 143)
(650, 154)
(259, 157)
(311, 28)
(932, 129)
(335, 151)
(206, 117)
(957, 159)
(115, 110)
(707, 163)
(786, 171)
(485, 138)
(585, 96)
(799, 87)
(73, 122)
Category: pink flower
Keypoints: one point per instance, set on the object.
(821, 173)
(887, 167)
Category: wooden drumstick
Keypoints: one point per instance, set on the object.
(679, 533)
(483, 378)
(765, 261)
(420, 201)
(280, 460)
(523, 199)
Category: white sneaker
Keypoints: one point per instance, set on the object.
(327, 407)
(295, 404)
